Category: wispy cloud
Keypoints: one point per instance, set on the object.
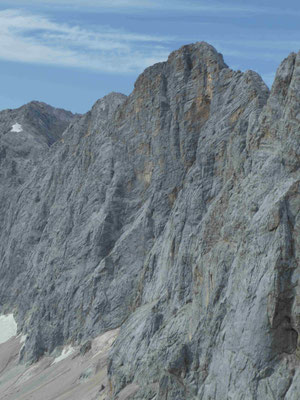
(33, 38)
(267, 50)
(120, 6)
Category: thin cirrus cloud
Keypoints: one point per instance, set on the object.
(32, 38)
(128, 6)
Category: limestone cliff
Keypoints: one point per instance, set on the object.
(172, 214)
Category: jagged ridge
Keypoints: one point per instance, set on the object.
(173, 214)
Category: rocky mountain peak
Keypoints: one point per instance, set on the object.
(199, 52)
(40, 123)
(105, 107)
(189, 62)
(168, 219)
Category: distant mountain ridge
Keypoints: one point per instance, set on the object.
(46, 123)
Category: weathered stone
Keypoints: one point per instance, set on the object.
(173, 214)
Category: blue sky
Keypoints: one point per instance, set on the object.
(69, 53)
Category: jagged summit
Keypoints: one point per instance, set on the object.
(107, 105)
(193, 52)
(202, 51)
(193, 57)
(41, 123)
(171, 218)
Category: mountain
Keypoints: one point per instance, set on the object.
(25, 134)
(168, 219)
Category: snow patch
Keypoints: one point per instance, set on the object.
(16, 128)
(8, 327)
(23, 339)
(67, 351)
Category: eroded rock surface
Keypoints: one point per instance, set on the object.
(173, 214)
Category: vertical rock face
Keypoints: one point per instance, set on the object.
(173, 214)
(25, 137)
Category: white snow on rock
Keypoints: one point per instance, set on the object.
(23, 339)
(16, 128)
(67, 351)
(8, 327)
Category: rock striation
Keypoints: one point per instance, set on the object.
(172, 214)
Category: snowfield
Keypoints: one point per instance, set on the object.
(67, 351)
(8, 327)
(16, 128)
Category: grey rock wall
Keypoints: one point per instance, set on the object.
(173, 214)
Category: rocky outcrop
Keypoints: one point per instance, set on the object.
(25, 136)
(172, 214)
